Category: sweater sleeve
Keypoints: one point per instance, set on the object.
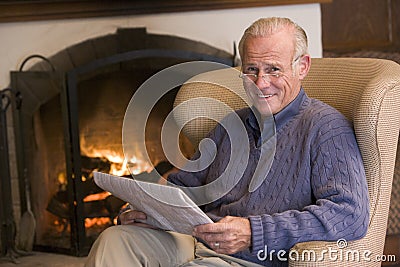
(341, 205)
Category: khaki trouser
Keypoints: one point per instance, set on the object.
(127, 245)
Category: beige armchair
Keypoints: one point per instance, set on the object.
(367, 92)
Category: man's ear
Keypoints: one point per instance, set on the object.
(304, 66)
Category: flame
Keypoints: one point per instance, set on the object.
(98, 196)
(123, 166)
(120, 165)
(90, 222)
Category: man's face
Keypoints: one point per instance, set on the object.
(273, 54)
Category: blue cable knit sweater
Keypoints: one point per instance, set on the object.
(316, 187)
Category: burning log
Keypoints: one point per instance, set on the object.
(106, 207)
(97, 202)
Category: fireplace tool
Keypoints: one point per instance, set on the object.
(27, 225)
(7, 232)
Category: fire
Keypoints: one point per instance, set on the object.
(90, 222)
(98, 196)
(120, 165)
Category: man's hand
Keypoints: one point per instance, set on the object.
(135, 217)
(228, 236)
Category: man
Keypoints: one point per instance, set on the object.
(315, 189)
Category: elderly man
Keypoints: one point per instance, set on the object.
(315, 189)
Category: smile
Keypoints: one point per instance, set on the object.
(264, 96)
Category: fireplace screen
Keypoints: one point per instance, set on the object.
(70, 125)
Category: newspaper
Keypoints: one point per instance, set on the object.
(167, 207)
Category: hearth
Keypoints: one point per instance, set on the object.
(70, 124)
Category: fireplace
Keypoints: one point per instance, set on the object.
(70, 124)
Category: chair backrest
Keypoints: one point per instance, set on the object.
(394, 210)
(367, 92)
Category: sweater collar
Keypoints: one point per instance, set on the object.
(283, 116)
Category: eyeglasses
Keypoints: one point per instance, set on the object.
(253, 77)
(267, 77)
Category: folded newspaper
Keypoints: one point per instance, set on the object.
(167, 207)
